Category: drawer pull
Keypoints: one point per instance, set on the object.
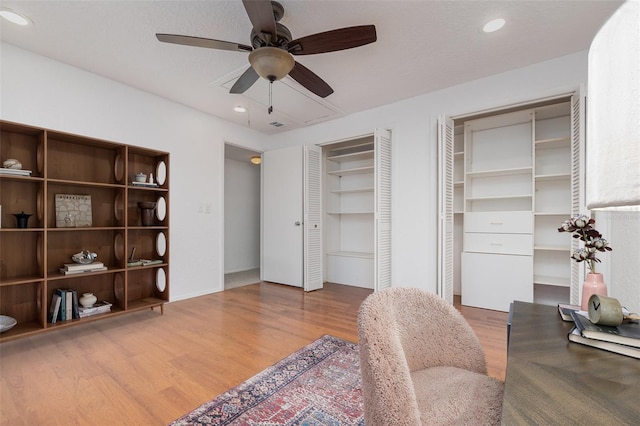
(496, 244)
(497, 223)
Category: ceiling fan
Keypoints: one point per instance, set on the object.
(272, 47)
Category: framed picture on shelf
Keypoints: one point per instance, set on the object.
(73, 211)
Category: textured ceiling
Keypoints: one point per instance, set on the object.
(422, 46)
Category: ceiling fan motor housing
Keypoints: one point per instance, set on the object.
(283, 37)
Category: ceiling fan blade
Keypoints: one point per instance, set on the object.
(261, 16)
(245, 81)
(310, 80)
(203, 42)
(334, 40)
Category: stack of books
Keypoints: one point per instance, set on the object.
(144, 184)
(64, 305)
(623, 339)
(97, 308)
(80, 268)
(14, 172)
(143, 262)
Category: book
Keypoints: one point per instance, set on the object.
(565, 311)
(624, 334)
(575, 336)
(14, 172)
(75, 311)
(62, 316)
(82, 266)
(97, 308)
(145, 184)
(144, 262)
(54, 309)
(69, 305)
(65, 272)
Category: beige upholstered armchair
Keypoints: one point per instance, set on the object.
(422, 364)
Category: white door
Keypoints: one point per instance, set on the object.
(445, 208)
(312, 218)
(282, 216)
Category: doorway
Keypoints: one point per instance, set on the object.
(241, 216)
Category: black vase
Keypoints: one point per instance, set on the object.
(22, 219)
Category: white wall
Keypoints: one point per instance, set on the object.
(39, 91)
(242, 216)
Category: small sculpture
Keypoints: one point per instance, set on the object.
(84, 257)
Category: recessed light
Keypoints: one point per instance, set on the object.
(493, 25)
(240, 108)
(256, 159)
(15, 17)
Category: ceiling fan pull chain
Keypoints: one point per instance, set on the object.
(270, 97)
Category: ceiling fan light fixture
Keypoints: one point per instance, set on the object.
(271, 63)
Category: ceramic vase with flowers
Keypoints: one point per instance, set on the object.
(581, 226)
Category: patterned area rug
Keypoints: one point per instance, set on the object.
(318, 385)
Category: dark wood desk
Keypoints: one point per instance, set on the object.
(551, 381)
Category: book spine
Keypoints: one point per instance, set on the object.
(55, 308)
(75, 309)
(69, 306)
(63, 303)
(82, 266)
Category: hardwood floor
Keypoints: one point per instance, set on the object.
(149, 369)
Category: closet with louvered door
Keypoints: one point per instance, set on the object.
(357, 217)
(502, 198)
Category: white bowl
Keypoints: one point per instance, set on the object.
(140, 177)
(6, 323)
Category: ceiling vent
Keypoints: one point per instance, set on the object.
(276, 124)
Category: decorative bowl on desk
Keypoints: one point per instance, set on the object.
(6, 323)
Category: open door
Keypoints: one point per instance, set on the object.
(291, 217)
(282, 216)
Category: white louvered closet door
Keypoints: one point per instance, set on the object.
(578, 102)
(445, 208)
(312, 218)
(382, 246)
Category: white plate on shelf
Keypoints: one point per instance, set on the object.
(6, 323)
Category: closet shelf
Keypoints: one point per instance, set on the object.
(362, 255)
(355, 156)
(349, 172)
(552, 281)
(351, 191)
(500, 172)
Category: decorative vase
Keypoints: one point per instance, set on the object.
(88, 299)
(22, 219)
(146, 212)
(593, 284)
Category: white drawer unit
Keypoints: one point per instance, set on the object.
(493, 281)
(499, 222)
(518, 244)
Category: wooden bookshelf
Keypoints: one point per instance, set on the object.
(30, 258)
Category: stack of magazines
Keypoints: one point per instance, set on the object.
(623, 339)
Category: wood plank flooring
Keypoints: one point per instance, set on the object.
(149, 369)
